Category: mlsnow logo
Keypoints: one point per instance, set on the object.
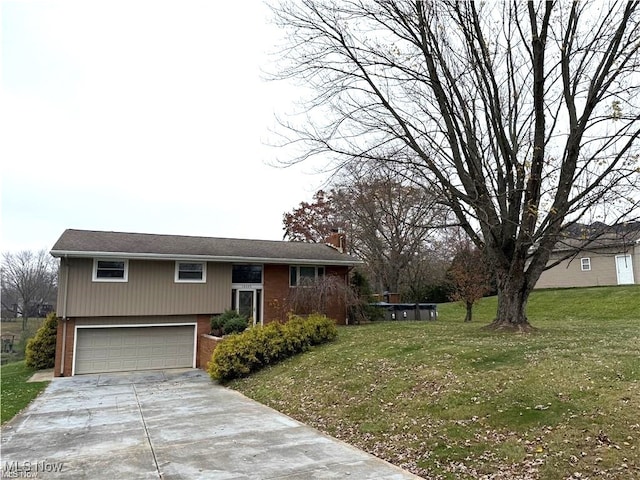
(30, 469)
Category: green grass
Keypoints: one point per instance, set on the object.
(14, 328)
(447, 399)
(15, 392)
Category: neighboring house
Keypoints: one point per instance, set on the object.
(595, 255)
(132, 301)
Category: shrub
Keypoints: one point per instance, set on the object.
(296, 339)
(235, 325)
(271, 343)
(229, 322)
(320, 329)
(240, 354)
(437, 293)
(41, 349)
(216, 325)
(234, 357)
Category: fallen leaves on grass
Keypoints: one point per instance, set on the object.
(447, 402)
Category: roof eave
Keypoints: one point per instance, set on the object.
(592, 246)
(202, 258)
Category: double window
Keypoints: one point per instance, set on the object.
(246, 274)
(301, 275)
(191, 272)
(110, 270)
(117, 270)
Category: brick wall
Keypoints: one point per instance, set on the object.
(203, 324)
(206, 346)
(68, 357)
(337, 308)
(203, 327)
(276, 293)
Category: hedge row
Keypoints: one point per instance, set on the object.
(240, 354)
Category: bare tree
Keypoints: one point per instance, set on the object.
(390, 223)
(320, 296)
(523, 116)
(425, 277)
(28, 279)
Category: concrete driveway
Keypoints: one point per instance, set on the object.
(167, 425)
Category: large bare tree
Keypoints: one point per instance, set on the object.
(28, 280)
(523, 116)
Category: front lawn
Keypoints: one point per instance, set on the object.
(446, 399)
(16, 393)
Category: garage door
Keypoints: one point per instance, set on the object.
(121, 349)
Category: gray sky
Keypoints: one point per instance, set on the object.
(144, 116)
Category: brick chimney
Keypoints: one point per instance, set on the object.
(337, 240)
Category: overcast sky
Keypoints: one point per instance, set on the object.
(143, 116)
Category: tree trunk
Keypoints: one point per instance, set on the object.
(469, 312)
(513, 295)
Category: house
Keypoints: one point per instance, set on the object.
(595, 255)
(133, 301)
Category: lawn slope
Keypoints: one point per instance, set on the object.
(15, 392)
(447, 399)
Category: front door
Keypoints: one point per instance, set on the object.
(624, 269)
(248, 304)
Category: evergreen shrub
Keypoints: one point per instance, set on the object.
(229, 322)
(40, 352)
(240, 354)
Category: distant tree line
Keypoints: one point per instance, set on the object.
(404, 235)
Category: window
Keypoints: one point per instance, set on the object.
(246, 274)
(195, 272)
(110, 270)
(585, 264)
(301, 274)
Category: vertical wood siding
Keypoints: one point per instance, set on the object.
(602, 273)
(150, 290)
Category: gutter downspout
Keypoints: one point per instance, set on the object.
(64, 314)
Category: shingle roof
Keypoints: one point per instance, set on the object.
(598, 236)
(83, 243)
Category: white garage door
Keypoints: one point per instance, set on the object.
(119, 349)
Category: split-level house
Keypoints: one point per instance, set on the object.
(595, 255)
(133, 301)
